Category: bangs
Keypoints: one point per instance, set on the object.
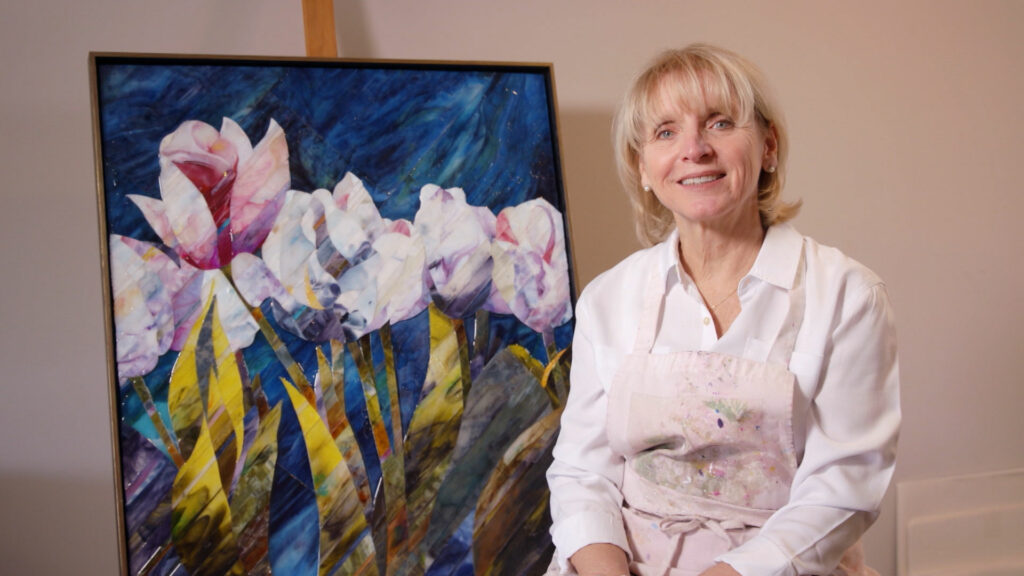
(692, 84)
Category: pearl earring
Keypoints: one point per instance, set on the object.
(770, 169)
(647, 188)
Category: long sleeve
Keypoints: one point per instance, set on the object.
(850, 428)
(586, 474)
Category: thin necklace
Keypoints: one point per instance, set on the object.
(722, 301)
(715, 306)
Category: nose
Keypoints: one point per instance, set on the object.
(695, 147)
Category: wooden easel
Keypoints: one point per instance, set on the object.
(318, 22)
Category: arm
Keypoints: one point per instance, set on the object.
(585, 475)
(852, 423)
(720, 569)
(600, 560)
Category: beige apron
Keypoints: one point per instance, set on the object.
(708, 442)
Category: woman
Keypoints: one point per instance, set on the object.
(734, 400)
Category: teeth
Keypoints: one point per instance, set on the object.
(701, 180)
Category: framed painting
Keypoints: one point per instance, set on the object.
(339, 305)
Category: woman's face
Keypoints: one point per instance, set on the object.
(703, 164)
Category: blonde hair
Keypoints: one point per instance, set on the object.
(692, 75)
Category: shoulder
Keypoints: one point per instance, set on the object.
(830, 264)
(825, 268)
(625, 281)
(609, 308)
(843, 293)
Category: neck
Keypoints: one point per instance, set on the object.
(715, 255)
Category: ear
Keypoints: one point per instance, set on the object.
(771, 147)
(641, 170)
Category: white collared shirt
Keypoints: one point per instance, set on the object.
(846, 412)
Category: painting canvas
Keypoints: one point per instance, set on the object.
(339, 303)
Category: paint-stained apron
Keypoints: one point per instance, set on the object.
(708, 441)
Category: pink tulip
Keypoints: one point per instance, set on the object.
(219, 195)
(156, 302)
(531, 270)
(143, 281)
(402, 277)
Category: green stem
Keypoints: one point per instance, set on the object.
(280, 350)
(382, 519)
(380, 383)
(482, 336)
(341, 428)
(147, 402)
(284, 356)
(463, 341)
(262, 405)
(553, 397)
(558, 387)
(394, 468)
(397, 432)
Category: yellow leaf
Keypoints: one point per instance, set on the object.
(551, 367)
(184, 400)
(200, 516)
(229, 381)
(434, 428)
(531, 363)
(341, 514)
(250, 503)
(221, 432)
(324, 456)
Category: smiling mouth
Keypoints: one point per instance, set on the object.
(701, 179)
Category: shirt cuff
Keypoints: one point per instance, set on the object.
(758, 556)
(579, 530)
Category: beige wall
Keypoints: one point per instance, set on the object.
(906, 128)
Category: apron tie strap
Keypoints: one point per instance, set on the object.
(681, 524)
(677, 524)
(689, 523)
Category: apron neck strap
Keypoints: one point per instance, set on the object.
(785, 340)
(654, 292)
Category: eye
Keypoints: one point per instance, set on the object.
(664, 130)
(721, 124)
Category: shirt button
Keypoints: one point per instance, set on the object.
(707, 320)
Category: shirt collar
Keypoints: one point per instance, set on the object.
(779, 258)
(776, 262)
(668, 259)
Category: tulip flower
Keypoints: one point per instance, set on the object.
(530, 266)
(333, 267)
(457, 239)
(290, 273)
(238, 324)
(352, 218)
(388, 285)
(142, 280)
(156, 302)
(402, 277)
(218, 194)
